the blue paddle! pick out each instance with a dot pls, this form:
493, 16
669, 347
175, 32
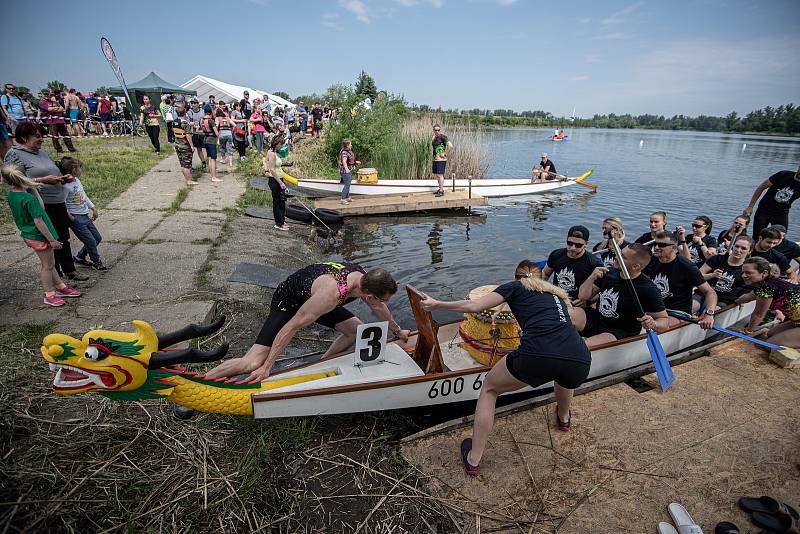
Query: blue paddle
683, 316
663, 370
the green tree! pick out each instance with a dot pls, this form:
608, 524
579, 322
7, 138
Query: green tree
56, 86
337, 95
102, 90
365, 85
282, 94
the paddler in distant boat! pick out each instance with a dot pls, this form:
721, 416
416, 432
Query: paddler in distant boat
558, 135
545, 170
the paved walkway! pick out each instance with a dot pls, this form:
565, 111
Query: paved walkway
153, 252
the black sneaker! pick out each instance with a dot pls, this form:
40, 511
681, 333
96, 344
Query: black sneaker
98, 266
439, 194
74, 275
82, 261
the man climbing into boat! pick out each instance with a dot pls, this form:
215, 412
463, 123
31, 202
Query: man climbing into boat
440, 147
783, 188
315, 293
571, 266
616, 314
545, 170
550, 350
676, 277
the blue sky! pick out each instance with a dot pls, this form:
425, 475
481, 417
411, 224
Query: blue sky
640, 56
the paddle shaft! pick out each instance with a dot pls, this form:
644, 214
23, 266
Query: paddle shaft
626, 275
683, 316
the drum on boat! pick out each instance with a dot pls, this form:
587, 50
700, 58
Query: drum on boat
490, 334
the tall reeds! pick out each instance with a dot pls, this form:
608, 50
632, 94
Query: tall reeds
408, 154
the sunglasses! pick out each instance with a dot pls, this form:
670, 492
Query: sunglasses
663, 245
698, 225
573, 244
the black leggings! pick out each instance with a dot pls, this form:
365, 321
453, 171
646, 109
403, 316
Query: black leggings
241, 146
60, 219
153, 132
764, 218
170, 133
278, 202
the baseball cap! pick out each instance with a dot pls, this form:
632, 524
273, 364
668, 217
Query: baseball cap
579, 231
544, 155
779, 227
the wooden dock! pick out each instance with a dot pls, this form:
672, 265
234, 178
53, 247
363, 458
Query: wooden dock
408, 202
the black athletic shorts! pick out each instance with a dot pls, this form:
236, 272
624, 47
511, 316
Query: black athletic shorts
538, 370
280, 315
594, 326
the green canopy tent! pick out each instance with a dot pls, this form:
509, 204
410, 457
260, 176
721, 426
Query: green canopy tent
153, 86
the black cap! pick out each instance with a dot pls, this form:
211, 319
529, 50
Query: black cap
579, 231
779, 227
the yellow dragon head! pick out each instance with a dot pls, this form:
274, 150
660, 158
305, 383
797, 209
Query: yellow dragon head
124, 365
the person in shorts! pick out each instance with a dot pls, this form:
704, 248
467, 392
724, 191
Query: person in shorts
181, 128
440, 146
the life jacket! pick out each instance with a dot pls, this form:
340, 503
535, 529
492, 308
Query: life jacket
178, 128
208, 129
224, 123
351, 158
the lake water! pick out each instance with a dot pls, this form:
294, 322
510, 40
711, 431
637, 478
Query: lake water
638, 171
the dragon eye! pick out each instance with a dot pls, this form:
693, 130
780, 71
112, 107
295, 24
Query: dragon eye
93, 354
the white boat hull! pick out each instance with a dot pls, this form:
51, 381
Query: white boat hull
486, 187
399, 382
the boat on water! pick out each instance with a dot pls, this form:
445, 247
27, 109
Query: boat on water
434, 367
485, 187
557, 138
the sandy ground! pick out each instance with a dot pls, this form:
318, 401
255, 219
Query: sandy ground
728, 427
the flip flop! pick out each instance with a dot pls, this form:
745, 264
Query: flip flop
767, 505
783, 524
469, 469
684, 523
666, 528
726, 527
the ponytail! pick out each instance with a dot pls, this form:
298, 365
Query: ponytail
543, 286
763, 266
15, 177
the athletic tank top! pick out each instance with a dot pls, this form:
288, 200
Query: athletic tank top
296, 290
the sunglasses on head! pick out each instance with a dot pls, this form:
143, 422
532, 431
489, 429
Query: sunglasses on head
663, 245
575, 244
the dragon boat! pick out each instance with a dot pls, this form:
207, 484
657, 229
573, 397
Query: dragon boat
434, 367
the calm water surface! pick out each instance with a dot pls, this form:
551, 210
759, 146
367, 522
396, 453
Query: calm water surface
638, 171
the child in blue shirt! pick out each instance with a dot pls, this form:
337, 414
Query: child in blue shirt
82, 213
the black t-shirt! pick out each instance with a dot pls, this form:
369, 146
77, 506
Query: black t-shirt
607, 257
773, 256
696, 256
789, 249
676, 280
783, 191
246, 107
568, 273
644, 238
317, 114
730, 285
548, 163
618, 307
724, 240
544, 320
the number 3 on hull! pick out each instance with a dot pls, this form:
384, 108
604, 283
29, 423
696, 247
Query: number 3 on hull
370, 344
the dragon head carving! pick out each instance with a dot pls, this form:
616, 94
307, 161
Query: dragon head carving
124, 365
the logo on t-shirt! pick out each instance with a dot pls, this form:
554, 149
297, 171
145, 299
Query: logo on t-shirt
609, 300
662, 283
566, 279
694, 254
725, 283
784, 195
608, 262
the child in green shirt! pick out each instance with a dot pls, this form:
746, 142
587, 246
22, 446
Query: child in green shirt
37, 231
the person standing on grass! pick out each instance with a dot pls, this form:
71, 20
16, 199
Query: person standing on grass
53, 114
40, 168
246, 109
550, 350
225, 127
272, 168
151, 122
183, 144
239, 130
73, 105
195, 116
316, 114
346, 162
257, 129
104, 108
82, 214
168, 114
783, 188
13, 107
37, 231
440, 147
210, 135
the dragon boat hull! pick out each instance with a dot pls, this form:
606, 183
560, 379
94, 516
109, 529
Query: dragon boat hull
400, 383
486, 187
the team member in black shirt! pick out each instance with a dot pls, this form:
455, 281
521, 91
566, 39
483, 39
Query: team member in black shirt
768, 239
571, 266
546, 170
699, 245
550, 350
789, 249
738, 227
724, 271
611, 225
616, 315
658, 223
676, 277
783, 188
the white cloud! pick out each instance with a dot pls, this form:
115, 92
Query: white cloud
623, 15
332, 21
358, 8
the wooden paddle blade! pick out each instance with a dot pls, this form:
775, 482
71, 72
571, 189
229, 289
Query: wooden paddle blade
585, 184
663, 370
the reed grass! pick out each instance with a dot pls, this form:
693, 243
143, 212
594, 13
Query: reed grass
408, 154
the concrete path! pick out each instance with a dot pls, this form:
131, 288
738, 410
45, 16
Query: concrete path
154, 253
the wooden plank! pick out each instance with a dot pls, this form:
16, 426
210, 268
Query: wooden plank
407, 202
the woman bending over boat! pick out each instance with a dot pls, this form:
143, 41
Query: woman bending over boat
777, 294
550, 350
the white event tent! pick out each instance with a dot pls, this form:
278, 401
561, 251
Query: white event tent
206, 86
